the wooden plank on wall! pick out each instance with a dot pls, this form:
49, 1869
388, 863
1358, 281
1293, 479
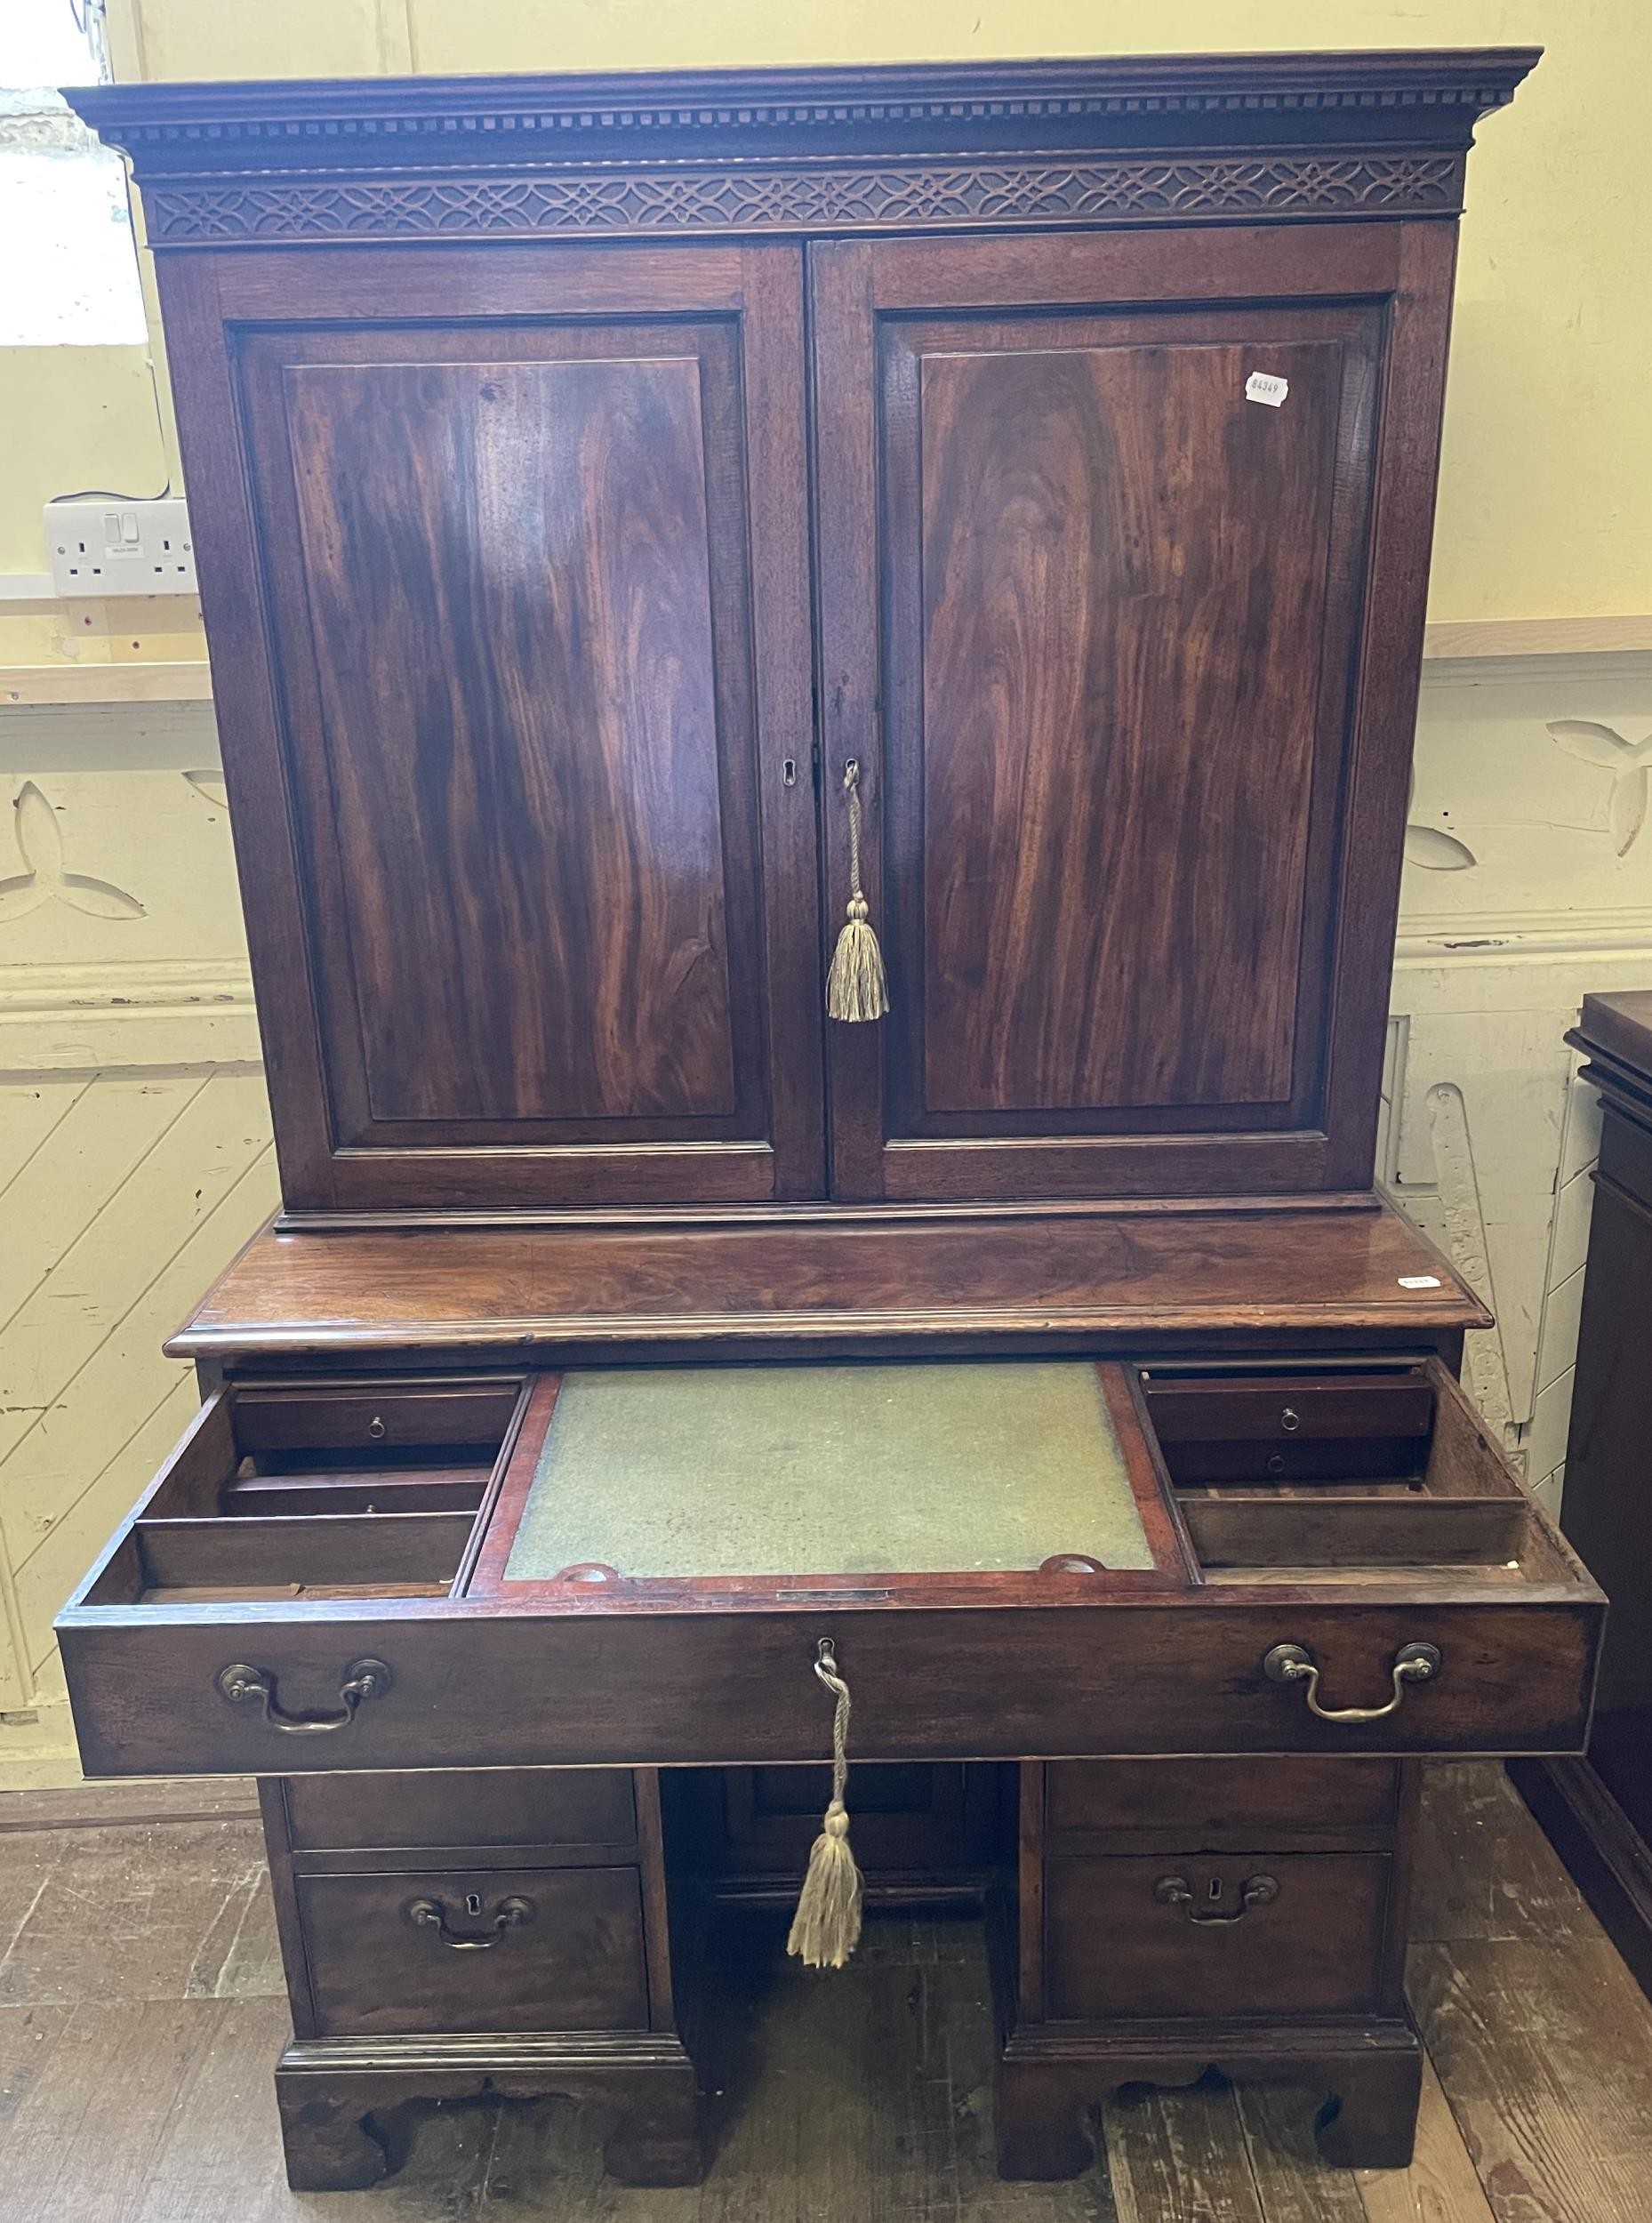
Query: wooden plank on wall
96, 1466
195, 1147
106, 1132
1538, 636
29, 1110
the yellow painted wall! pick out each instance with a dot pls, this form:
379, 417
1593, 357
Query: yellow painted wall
1547, 484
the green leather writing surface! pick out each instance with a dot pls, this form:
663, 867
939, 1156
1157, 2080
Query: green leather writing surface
820, 1470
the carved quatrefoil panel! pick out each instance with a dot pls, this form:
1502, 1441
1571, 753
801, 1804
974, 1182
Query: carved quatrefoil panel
1629, 764
44, 878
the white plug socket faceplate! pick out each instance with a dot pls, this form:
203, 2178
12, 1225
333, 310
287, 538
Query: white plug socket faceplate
104, 546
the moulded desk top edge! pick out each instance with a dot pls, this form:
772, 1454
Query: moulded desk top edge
498, 1287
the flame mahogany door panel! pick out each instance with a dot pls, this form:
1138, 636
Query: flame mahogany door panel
529, 859
1128, 660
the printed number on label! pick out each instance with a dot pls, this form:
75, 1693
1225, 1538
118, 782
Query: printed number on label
1265, 386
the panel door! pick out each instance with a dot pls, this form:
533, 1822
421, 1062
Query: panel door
1125, 649
514, 736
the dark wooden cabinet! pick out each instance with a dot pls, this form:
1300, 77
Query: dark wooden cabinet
641, 520
1598, 1808
507, 556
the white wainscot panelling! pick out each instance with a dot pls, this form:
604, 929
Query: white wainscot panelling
134, 1143
1527, 886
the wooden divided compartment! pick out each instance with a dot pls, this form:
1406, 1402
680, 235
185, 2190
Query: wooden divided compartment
1328, 1476
313, 1491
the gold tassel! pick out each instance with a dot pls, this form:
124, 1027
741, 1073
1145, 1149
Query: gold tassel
856, 987
826, 1926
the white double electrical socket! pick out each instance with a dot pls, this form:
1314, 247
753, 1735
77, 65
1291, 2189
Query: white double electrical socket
103, 545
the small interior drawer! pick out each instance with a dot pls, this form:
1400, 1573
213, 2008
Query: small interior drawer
364, 1422
437, 1810
1226, 1427
1239, 1933
475, 1950
319, 1490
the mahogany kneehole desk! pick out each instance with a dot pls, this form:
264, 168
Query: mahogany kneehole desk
645, 524
343, 1566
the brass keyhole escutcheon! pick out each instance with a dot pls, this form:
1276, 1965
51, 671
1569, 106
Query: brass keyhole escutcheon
510, 1914
1255, 1891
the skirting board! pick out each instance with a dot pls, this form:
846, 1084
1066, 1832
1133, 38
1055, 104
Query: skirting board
1609, 1859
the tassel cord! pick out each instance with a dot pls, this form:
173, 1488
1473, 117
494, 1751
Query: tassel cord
856, 987
857, 894
839, 1731
826, 1926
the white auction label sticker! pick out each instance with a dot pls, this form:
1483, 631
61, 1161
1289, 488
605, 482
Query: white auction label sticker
1419, 1280
1266, 387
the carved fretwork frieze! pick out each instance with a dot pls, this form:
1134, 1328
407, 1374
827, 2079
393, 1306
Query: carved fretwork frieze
801, 198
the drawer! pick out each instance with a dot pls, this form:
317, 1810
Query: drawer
1205, 1798
1123, 1610
1349, 1424
475, 1950
431, 1809
1187, 1407
365, 1419
1244, 1934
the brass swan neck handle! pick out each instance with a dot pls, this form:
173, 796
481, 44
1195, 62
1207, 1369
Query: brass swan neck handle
243, 1685
1294, 1662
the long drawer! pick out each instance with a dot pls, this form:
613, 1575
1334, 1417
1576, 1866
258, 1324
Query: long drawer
1428, 1607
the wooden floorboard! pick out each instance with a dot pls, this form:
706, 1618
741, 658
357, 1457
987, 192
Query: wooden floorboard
1182, 2153
1293, 2184
176, 1910
141, 2011
127, 1805
84, 2139
1484, 1868
1440, 2186
1545, 2054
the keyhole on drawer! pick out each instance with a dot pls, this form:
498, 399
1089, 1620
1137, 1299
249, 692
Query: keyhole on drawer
375, 1427
473, 1902
789, 771
1215, 1892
